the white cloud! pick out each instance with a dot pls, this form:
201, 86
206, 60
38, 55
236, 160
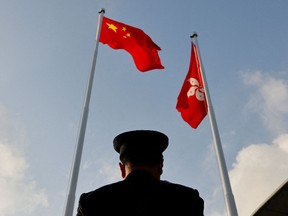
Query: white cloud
270, 100
19, 193
110, 172
259, 170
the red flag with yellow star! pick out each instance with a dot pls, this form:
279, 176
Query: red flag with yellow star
191, 101
121, 36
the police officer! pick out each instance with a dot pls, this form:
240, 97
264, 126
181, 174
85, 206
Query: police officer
141, 192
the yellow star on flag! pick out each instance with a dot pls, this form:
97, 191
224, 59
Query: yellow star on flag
111, 26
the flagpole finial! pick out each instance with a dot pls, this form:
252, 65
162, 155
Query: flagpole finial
102, 10
194, 34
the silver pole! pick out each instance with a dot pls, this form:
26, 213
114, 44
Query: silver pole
229, 198
81, 133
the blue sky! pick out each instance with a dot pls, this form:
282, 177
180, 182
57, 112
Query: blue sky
46, 54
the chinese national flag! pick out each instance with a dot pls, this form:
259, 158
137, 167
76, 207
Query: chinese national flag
191, 101
121, 36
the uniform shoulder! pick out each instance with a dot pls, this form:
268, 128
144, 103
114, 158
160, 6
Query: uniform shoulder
180, 188
186, 196
105, 189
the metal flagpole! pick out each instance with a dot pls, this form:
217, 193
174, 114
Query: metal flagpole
81, 133
229, 198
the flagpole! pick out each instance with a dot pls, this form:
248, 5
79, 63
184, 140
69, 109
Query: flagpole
229, 198
81, 133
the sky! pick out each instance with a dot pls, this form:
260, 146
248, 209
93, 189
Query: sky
45, 59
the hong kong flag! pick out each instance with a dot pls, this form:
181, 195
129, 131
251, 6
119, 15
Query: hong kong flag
191, 101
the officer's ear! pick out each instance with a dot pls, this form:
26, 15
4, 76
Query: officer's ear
160, 167
122, 169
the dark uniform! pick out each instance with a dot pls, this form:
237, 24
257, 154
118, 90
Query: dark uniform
141, 194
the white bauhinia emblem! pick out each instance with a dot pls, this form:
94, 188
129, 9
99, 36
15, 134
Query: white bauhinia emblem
195, 89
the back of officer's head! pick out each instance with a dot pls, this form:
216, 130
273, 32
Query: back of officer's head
141, 147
